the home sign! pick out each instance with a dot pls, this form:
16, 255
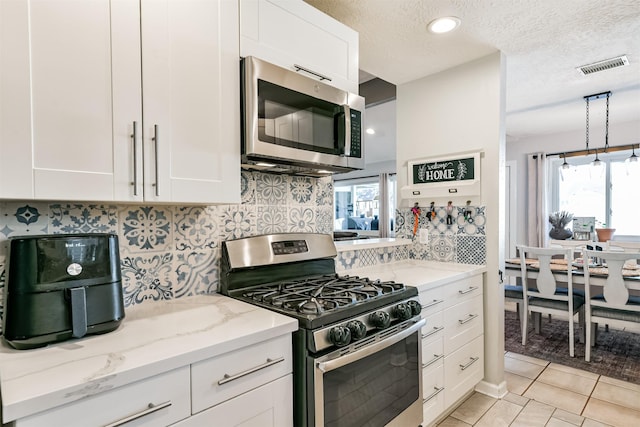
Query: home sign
448, 170
443, 179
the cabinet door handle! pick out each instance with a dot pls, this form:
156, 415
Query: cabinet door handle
432, 303
150, 410
306, 70
435, 329
270, 362
469, 318
466, 291
436, 357
134, 137
471, 362
434, 394
155, 139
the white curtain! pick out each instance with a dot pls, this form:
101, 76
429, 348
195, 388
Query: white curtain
383, 219
536, 199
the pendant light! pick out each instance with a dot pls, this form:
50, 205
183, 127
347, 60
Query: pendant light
565, 165
597, 162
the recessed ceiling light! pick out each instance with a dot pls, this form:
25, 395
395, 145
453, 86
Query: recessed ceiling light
370, 131
444, 24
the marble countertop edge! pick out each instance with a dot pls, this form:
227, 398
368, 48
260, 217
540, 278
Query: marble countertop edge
359, 244
173, 336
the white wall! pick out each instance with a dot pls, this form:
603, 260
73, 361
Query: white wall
517, 150
460, 110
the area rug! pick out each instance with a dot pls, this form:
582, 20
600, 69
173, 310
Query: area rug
616, 353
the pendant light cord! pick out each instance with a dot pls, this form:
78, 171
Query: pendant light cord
587, 99
606, 134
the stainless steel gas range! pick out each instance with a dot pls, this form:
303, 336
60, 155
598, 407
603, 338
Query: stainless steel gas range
357, 351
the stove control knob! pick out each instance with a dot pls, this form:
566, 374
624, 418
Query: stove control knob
380, 319
402, 311
416, 308
358, 329
340, 336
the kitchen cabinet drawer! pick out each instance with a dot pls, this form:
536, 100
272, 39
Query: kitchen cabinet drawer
157, 401
461, 290
462, 323
463, 369
432, 352
434, 328
267, 406
223, 377
432, 301
432, 393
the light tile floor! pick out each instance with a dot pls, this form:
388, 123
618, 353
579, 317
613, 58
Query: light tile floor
550, 395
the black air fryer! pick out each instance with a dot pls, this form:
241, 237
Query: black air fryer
61, 286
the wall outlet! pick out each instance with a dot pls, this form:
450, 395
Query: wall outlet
424, 236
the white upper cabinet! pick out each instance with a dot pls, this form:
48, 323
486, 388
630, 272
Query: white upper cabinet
191, 101
292, 33
72, 85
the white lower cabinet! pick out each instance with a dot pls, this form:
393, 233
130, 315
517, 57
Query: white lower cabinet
452, 344
266, 406
250, 386
157, 401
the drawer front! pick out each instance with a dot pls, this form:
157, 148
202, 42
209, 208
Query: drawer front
462, 290
463, 370
270, 405
432, 352
231, 374
462, 323
432, 301
434, 327
168, 393
432, 392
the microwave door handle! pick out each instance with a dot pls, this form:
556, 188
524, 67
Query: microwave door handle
347, 130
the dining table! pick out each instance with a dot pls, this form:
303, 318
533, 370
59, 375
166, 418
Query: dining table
598, 273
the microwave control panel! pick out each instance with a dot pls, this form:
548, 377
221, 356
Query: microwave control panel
356, 134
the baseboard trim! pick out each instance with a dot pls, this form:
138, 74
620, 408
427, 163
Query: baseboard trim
497, 391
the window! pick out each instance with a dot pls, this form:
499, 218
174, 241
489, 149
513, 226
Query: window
358, 204
607, 193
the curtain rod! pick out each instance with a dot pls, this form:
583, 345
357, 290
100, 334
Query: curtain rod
609, 149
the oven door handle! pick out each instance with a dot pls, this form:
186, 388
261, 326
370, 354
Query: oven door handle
330, 365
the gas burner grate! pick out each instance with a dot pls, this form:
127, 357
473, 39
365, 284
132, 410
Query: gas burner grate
319, 294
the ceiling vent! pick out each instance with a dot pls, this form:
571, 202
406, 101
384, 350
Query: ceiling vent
618, 61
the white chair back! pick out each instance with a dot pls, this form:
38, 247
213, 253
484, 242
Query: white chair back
608, 299
546, 283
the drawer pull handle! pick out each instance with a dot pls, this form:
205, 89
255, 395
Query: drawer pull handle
466, 291
150, 410
468, 319
431, 304
306, 70
436, 357
434, 394
435, 330
270, 362
471, 362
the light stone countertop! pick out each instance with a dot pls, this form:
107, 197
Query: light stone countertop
150, 341
421, 274
358, 244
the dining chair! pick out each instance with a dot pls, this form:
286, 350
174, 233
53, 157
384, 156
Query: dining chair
615, 245
549, 296
607, 298
577, 245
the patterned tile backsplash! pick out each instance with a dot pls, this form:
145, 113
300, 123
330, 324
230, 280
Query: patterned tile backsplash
174, 251
462, 241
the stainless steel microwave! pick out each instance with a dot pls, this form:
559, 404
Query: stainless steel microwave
295, 124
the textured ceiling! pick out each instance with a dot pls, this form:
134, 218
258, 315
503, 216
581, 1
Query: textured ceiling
543, 41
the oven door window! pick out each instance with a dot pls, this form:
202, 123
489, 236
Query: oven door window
373, 390
293, 119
